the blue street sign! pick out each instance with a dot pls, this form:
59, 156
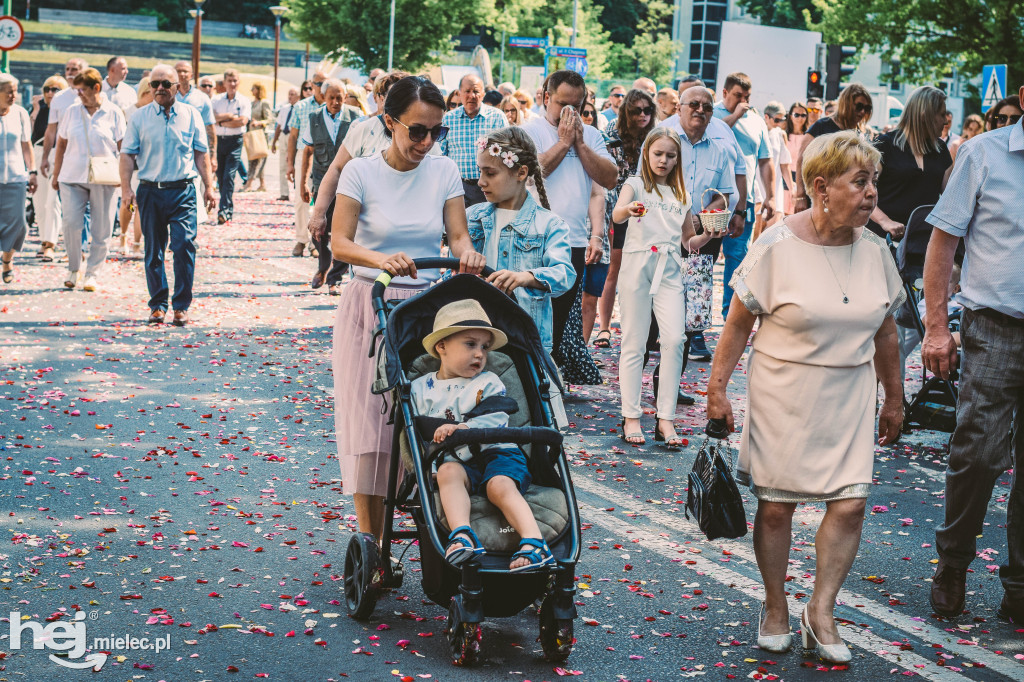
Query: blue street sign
577, 64
523, 41
556, 51
993, 85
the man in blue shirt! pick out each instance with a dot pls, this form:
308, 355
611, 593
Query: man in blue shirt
167, 140
752, 136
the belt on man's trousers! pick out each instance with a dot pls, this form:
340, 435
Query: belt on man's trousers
471, 181
172, 184
999, 318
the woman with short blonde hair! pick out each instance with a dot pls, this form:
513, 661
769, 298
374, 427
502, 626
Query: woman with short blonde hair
355, 96
823, 290
525, 102
262, 116
510, 107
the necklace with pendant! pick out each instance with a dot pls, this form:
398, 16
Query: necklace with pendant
846, 299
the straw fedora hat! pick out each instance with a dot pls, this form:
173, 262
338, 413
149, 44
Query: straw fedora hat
458, 316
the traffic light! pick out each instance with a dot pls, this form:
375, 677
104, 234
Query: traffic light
815, 88
837, 70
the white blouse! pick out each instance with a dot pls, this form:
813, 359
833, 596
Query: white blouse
106, 128
15, 128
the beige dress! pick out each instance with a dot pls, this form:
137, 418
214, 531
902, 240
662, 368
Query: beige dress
810, 424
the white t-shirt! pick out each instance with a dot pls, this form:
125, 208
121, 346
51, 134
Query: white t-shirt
123, 95
662, 225
60, 103
780, 155
401, 210
502, 217
15, 128
106, 128
239, 106
568, 186
452, 399
366, 138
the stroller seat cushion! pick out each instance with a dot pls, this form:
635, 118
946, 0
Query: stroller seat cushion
497, 535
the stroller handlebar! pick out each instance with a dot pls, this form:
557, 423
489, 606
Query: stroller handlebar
384, 279
526, 434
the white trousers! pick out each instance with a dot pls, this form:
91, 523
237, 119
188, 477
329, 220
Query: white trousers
282, 168
47, 203
101, 199
636, 280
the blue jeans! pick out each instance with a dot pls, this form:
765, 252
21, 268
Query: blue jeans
173, 212
229, 158
735, 249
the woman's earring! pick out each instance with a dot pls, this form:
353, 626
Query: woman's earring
825, 202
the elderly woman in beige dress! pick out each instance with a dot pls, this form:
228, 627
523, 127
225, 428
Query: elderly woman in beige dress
823, 289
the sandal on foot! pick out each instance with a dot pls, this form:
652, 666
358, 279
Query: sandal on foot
673, 442
539, 555
626, 436
8, 274
463, 545
604, 339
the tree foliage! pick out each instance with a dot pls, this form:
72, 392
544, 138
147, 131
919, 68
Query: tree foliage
782, 13
930, 37
355, 32
653, 48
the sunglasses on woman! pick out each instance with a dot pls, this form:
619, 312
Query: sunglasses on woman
795, 115
48, 89
587, 113
860, 107
1004, 119
646, 111
418, 132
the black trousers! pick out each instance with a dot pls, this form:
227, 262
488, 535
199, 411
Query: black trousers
562, 305
326, 263
474, 195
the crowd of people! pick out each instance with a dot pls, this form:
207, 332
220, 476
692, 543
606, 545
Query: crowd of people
578, 206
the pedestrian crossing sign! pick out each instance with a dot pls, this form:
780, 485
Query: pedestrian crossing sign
993, 85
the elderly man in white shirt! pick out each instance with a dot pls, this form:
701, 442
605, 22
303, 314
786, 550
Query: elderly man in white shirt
231, 113
282, 127
58, 105
116, 89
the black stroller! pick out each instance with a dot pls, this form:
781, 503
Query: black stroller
482, 587
934, 405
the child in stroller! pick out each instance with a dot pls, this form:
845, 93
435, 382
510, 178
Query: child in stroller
461, 395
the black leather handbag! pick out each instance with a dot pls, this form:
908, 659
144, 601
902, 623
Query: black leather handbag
713, 498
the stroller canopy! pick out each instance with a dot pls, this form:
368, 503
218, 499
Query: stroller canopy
413, 319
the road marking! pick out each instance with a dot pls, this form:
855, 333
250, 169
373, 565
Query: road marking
940, 477
870, 642
919, 630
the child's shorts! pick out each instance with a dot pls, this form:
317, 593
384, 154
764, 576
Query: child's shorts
509, 462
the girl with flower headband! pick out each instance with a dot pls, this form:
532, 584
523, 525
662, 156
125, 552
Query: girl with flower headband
651, 277
525, 243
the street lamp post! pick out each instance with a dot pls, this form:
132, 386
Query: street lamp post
277, 11
197, 29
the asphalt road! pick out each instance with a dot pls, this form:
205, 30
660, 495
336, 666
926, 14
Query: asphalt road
183, 483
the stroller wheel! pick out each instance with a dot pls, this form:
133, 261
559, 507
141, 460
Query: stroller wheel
363, 575
556, 635
463, 638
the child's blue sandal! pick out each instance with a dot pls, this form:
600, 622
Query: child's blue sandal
466, 549
539, 555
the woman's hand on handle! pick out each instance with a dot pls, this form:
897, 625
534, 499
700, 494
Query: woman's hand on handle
719, 407
399, 265
890, 421
471, 262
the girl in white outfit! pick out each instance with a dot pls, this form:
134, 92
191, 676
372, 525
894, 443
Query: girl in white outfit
660, 223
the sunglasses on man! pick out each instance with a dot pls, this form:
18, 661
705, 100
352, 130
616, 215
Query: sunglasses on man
706, 106
206, 86
418, 132
1004, 119
779, 119
617, 95
814, 110
165, 84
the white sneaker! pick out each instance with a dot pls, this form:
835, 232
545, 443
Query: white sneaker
90, 283
71, 281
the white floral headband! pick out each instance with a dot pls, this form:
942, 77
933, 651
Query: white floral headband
508, 157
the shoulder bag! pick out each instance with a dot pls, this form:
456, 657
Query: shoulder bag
103, 170
713, 498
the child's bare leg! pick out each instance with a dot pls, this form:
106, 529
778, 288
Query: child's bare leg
504, 493
453, 486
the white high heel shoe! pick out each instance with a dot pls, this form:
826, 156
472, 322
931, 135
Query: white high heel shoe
830, 653
777, 644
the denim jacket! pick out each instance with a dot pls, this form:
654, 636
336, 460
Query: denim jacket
537, 241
